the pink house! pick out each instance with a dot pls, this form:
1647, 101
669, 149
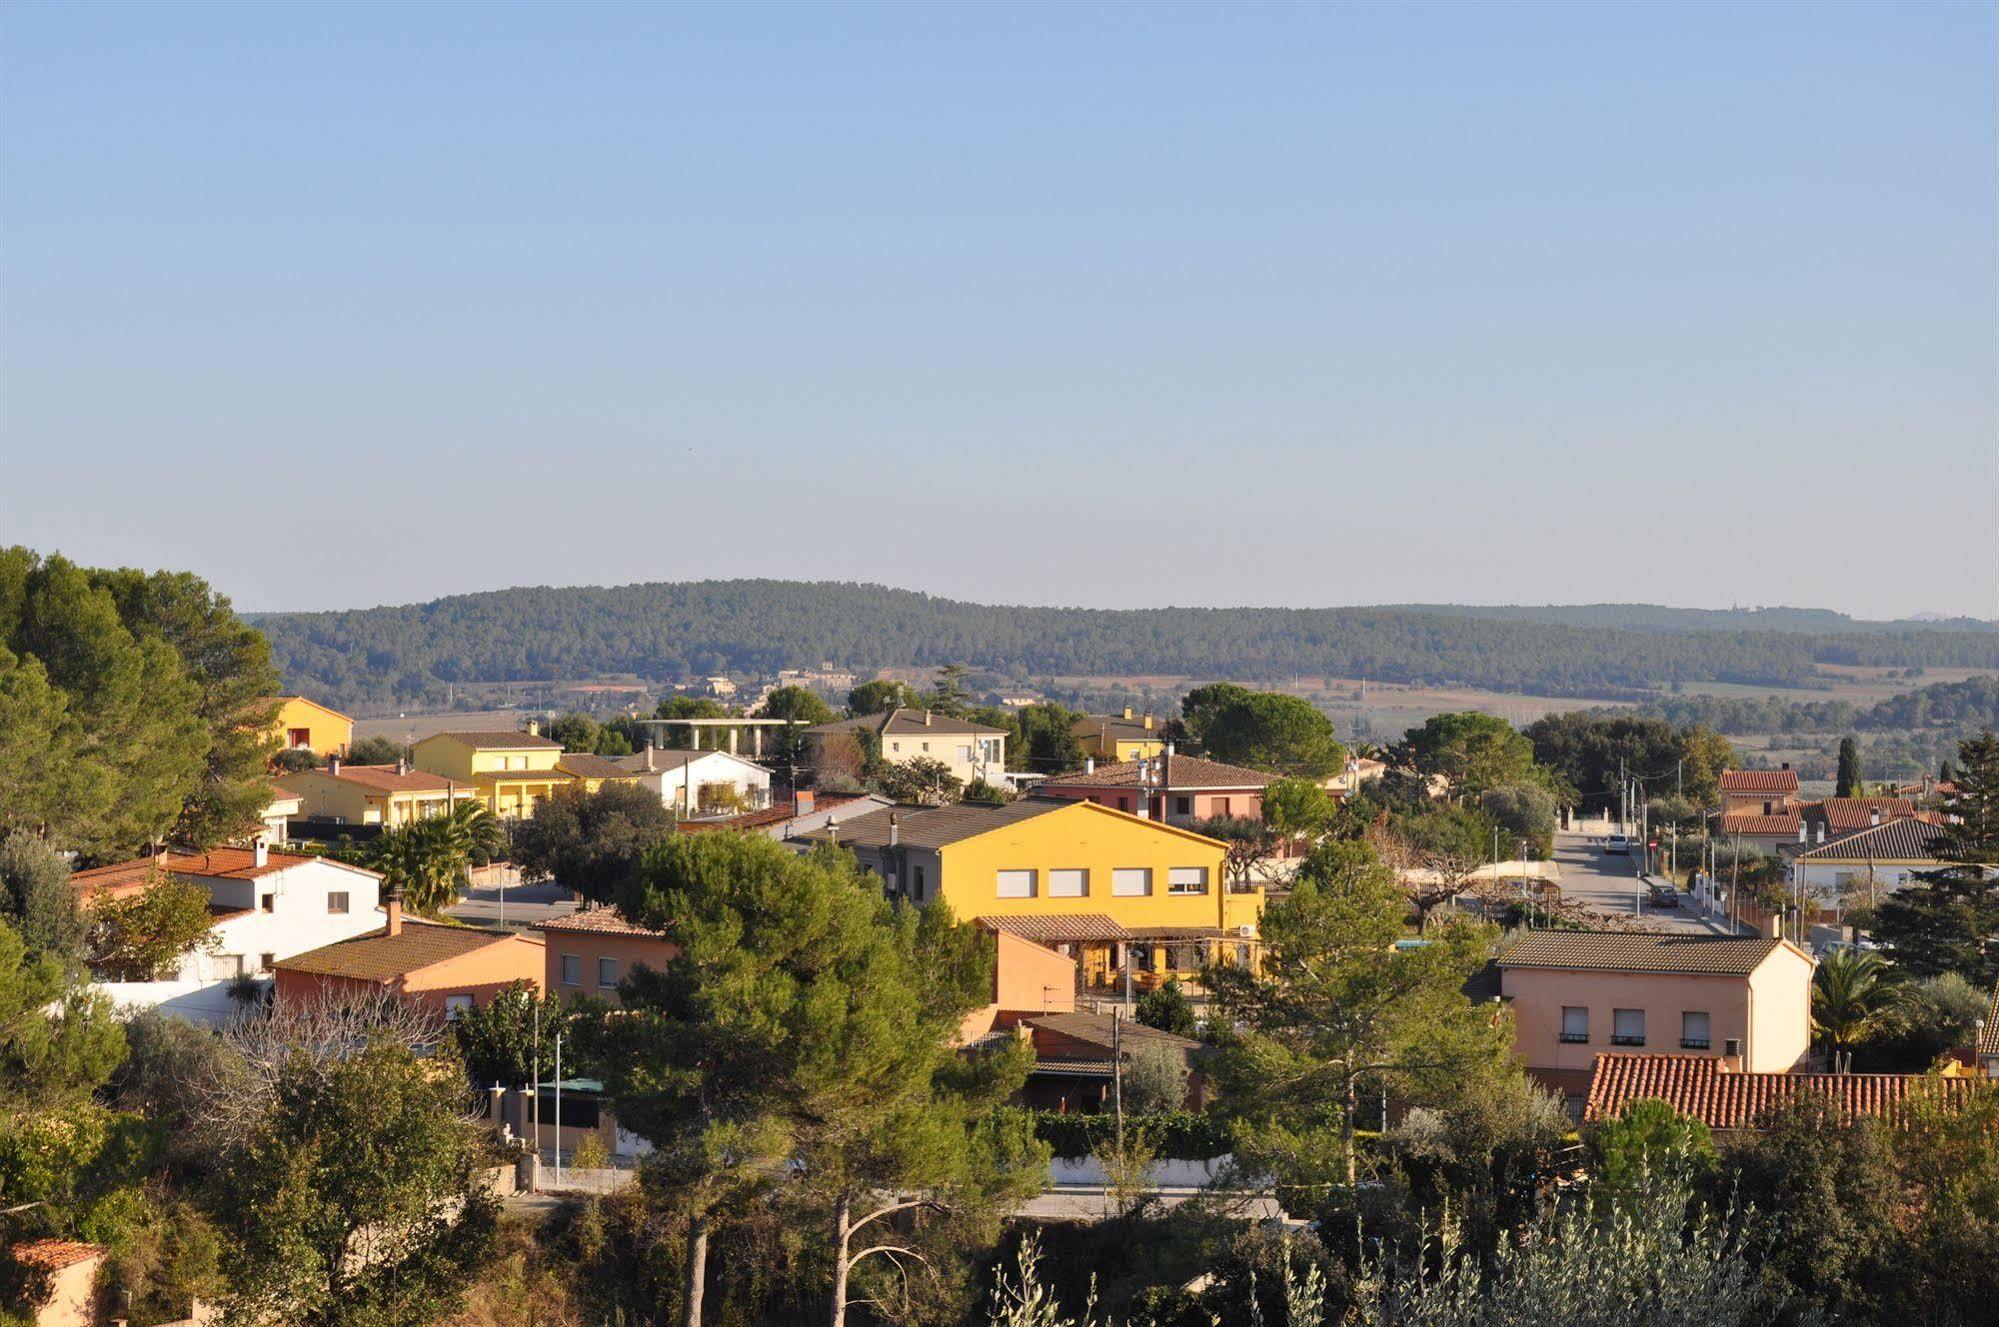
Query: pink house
1174, 788
1576, 995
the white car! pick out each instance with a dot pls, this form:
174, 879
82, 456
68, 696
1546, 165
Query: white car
1618, 843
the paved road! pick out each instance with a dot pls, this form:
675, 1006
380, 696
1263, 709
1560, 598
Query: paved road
525, 904
1610, 884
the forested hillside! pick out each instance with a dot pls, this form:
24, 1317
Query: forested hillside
406, 654
1658, 617
1962, 707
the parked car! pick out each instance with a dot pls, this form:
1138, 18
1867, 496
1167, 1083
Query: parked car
1665, 896
1618, 843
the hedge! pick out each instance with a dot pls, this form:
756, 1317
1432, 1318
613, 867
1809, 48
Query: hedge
1183, 1136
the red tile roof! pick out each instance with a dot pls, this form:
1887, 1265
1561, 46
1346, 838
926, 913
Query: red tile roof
1904, 840
1630, 951
1700, 1086
1759, 781
123, 878
384, 778
1787, 824
496, 739
381, 957
1178, 774
53, 1255
1058, 929
1845, 814
600, 921
775, 814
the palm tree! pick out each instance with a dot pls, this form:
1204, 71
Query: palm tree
432, 859
1849, 1001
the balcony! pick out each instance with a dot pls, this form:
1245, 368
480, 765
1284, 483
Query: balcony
1576, 1038
1693, 1043
1638, 1040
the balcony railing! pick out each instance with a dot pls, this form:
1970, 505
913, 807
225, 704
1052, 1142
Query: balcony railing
1576, 1038
1693, 1043
1620, 1040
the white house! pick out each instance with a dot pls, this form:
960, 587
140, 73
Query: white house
267, 906
701, 783
1865, 864
972, 752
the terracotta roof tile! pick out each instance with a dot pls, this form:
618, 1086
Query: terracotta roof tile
382, 778
1143, 728
1759, 781
1700, 1086
589, 765
907, 723
1988, 1036
771, 815
1844, 814
1787, 824
938, 826
52, 1255
1096, 1030
1058, 928
599, 921
1179, 773
124, 878
381, 957
1621, 951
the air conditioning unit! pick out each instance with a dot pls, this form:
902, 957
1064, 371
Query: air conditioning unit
1246, 932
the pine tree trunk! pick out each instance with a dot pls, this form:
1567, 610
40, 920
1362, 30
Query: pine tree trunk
697, 1269
843, 1235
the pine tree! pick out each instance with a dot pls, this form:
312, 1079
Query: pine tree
1948, 920
1850, 784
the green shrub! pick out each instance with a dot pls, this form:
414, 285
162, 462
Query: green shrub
1182, 1135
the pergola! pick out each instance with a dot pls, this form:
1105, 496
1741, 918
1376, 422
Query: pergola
756, 727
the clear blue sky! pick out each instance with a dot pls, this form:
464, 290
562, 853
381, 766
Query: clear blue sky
358, 304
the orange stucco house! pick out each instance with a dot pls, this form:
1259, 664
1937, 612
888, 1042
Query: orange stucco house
590, 952
66, 1271
1576, 995
445, 968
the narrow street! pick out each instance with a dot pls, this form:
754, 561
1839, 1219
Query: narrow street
1609, 883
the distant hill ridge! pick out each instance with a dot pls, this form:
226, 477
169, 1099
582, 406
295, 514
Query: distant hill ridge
1658, 617
669, 630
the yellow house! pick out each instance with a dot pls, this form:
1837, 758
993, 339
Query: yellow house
512, 770
1111, 738
591, 772
306, 725
1093, 884
386, 795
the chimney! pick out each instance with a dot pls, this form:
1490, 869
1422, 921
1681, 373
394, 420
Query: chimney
1773, 927
1127, 711
1169, 750
1785, 765
1801, 831
926, 718
534, 727
650, 749
1821, 831
1089, 764
1148, 723
261, 853
402, 765
332, 763
392, 906
894, 828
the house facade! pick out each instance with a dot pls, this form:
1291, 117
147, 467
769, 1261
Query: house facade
385, 795
1175, 789
446, 969
1575, 995
1861, 867
591, 951
267, 907
972, 752
1763, 791
513, 771
1113, 891
307, 725
700, 784
1112, 739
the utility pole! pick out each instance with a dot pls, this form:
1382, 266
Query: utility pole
1117, 1078
558, 1108
534, 1098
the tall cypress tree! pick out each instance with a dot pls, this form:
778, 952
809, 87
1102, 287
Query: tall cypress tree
1947, 920
1849, 768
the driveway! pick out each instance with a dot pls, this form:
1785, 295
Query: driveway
523, 905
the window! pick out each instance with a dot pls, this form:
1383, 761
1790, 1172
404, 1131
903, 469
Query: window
1222, 806
268, 902
1693, 1030
1016, 884
572, 969
1575, 1024
607, 973
1068, 882
1183, 806
965, 753
1187, 880
336, 903
895, 747
1131, 881
926, 746
298, 739
266, 961
989, 750
921, 884
455, 1005
1627, 1027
